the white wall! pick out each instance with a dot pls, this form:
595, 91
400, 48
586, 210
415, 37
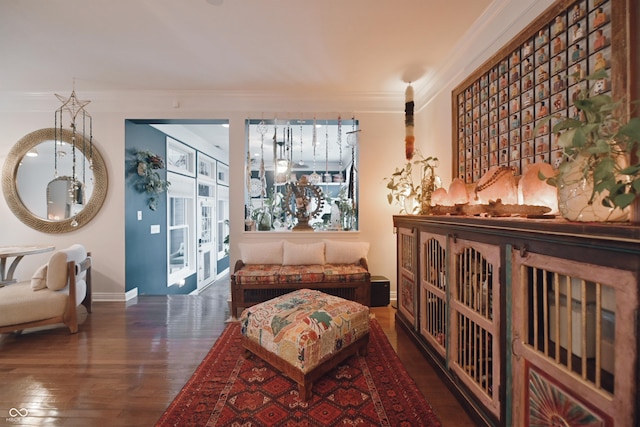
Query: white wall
382, 146
104, 236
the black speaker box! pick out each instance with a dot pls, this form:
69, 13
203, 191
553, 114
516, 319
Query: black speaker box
380, 290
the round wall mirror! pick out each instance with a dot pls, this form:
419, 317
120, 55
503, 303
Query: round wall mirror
38, 183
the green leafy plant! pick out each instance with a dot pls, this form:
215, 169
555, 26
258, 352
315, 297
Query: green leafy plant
407, 182
609, 140
346, 207
146, 165
269, 212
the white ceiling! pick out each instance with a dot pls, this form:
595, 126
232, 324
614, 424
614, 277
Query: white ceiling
345, 47
319, 46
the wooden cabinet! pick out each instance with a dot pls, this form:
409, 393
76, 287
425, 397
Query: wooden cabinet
533, 322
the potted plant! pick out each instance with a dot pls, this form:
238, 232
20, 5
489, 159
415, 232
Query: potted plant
269, 212
599, 177
411, 185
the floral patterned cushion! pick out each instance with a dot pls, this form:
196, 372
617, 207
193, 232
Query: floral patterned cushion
300, 274
270, 274
305, 327
344, 273
266, 274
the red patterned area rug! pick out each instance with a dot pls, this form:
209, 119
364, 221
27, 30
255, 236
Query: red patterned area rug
228, 389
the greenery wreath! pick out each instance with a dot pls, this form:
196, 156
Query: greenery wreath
146, 166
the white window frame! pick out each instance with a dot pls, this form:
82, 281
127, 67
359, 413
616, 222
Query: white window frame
182, 187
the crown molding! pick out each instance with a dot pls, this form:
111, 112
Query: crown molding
132, 101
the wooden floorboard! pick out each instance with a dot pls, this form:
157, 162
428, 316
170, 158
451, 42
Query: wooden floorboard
129, 360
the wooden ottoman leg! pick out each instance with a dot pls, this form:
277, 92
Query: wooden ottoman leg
305, 391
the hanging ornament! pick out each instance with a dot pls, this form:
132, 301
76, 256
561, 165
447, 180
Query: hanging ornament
327, 175
301, 161
409, 138
262, 130
351, 141
314, 178
340, 165
75, 109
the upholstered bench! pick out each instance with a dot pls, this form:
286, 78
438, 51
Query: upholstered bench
270, 269
305, 334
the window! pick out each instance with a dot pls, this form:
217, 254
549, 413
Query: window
222, 220
180, 158
181, 227
286, 159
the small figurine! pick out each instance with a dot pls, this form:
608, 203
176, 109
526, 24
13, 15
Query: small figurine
578, 32
515, 74
542, 111
576, 93
542, 74
527, 132
577, 53
600, 86
515, 105
578, 73
515, 90
599, 18
600, 40
503, 81
558, 26
515, 59
557, 45
558, 64
577, 13
542, 92
558, 102
558, 84
542, 55
503, 96
600, 63
515, 121
542, 38
528, 83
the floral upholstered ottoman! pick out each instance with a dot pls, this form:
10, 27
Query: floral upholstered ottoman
305, 334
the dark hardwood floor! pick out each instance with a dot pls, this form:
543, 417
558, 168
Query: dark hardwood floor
128, 361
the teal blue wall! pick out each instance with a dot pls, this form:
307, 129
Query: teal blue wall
146, 253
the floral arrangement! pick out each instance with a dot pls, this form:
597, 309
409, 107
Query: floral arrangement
146, 166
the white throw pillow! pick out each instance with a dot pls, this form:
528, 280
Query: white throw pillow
261, 253
344, 252
303, 253
39, 279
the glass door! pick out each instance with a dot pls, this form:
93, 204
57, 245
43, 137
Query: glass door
206, 244
207, 258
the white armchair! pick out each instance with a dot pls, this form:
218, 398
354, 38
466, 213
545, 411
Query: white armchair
52, 295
